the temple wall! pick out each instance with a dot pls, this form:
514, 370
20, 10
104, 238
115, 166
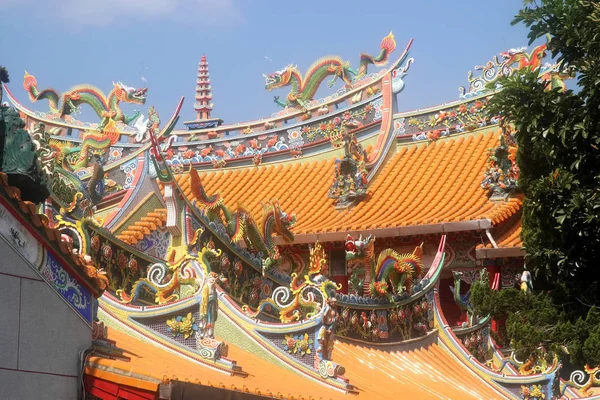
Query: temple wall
40, 335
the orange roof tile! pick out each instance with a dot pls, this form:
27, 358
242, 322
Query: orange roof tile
512, 236
508, 241
146, 225
376, 373
155, 363
509, 238
417, 374
421, 184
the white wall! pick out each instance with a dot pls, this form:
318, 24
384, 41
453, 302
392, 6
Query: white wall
40, 335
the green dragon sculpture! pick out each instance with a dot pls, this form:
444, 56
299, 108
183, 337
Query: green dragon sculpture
164, 281
305, 87
94, 143
106, 107
241, 225
463, 300
65, 186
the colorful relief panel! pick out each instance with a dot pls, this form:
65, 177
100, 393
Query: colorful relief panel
155, 244
122, 267
78, 296
329, 128
455, 119
477, 343
395, 324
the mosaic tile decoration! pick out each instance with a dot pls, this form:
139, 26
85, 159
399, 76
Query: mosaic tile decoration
159, 325
78, 296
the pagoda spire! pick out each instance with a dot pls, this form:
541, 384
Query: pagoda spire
203, 104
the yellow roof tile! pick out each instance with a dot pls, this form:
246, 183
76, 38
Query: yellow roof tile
406, 372
421, 184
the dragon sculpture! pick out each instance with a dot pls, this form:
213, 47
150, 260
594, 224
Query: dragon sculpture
106, 107
392, 273
515, 60
164, 281
305, 87
577, 380
66, 187
533, 365
462, 300
306, 297
240, 224
95, 143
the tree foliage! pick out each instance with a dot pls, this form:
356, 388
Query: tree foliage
4, 75
536, 327
558, 135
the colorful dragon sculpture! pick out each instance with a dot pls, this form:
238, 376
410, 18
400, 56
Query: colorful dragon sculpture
533, 365
462, 300
164, 281
241, 225
66, 187
306, 297
514, 60
106, 107
95, 143
392, 273
305, 87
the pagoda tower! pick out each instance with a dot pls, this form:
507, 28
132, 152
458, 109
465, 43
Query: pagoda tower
203, 105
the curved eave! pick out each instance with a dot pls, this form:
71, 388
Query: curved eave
425, 229
504, 252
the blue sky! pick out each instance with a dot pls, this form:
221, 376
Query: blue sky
69, 42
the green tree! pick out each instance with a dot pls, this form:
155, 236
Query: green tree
559, 159
3, 79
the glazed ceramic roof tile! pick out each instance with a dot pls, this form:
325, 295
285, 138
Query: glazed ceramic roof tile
376, 373
151, 364
422, 184
146, 225
512, 236
509, 238
418, 374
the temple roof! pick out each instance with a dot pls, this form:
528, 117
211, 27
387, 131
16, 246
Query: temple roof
511, 237
423, 188
427, 372
509, 243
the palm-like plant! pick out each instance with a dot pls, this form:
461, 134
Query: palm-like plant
3, 79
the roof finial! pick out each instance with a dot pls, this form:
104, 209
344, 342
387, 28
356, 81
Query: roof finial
203, 105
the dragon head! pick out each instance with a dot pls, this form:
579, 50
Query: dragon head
128, 94
513, 52
278, 78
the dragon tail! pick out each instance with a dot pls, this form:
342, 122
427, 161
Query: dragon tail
236, 227
210, 202
261, 307
135, 291
30, 85
388, 44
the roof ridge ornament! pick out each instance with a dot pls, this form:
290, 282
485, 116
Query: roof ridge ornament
350, 173
304, 87
510, 61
